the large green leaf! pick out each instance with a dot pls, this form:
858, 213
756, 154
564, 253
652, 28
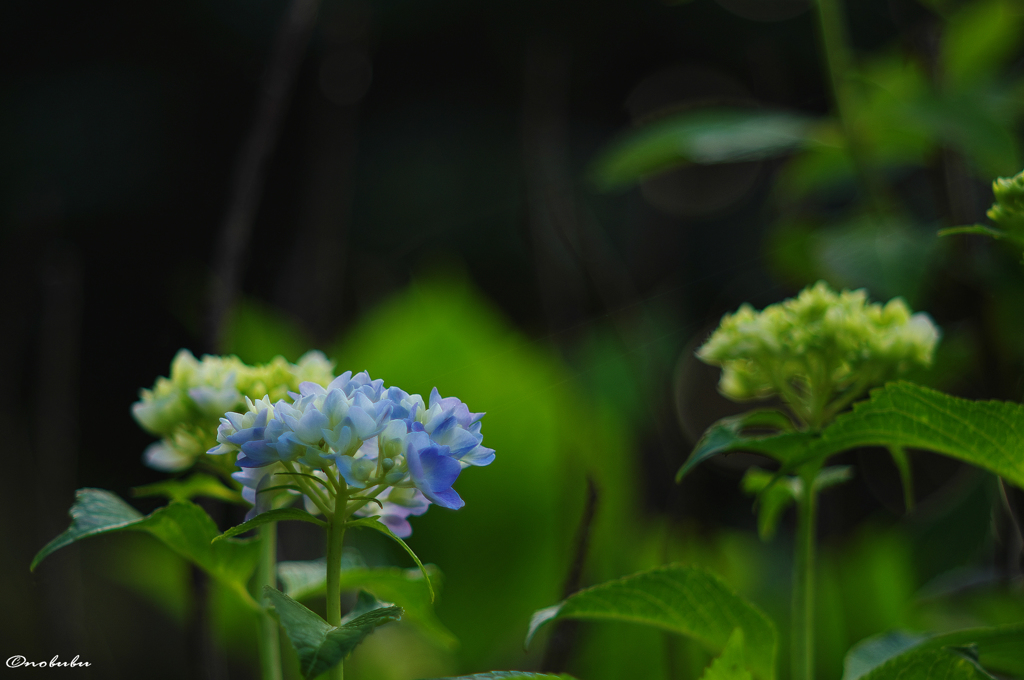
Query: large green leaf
183, 526
405, 587
988, 434
277, 515
705, 136
318, 644
768, 432
198, 484
680, 599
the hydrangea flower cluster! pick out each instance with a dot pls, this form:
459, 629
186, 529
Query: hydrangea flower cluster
818, 351
384, 451
1008, 210
184, 409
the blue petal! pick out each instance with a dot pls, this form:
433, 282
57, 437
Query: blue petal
479, 456
310, 426
344, 464
258, 453
447, 499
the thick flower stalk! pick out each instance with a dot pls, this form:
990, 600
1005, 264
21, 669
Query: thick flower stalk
184, 409
379, 451
819, 351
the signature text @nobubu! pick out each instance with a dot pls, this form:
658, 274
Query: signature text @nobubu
18, 661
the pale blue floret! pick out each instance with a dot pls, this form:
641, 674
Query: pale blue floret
450, 422
433, 470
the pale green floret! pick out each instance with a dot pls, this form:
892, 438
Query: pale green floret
1008, 210
818, 351
185, 408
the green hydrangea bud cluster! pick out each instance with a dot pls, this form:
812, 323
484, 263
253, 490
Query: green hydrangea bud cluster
1008, 210
184, 410
818, 351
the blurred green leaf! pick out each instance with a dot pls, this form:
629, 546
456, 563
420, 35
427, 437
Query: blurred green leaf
257, 333
875, 651
372, 523
405, 587
680, 599
896, 653
775, 494
183, 526
196, 485
707, 136
974, 229
729, 665
888, 257
929, 664
510, 675
276, 515
734, 434
1000, 648
977, 39
773, 499
319, 645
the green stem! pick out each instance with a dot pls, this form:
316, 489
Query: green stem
839, 60
802, 666
269, 640
335, 538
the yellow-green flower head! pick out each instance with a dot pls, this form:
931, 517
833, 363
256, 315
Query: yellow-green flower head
818, 351
185, 408
1008, 210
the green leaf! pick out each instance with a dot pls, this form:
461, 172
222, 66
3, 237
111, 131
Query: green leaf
198, 484
997, 648
95, 511
182, 526
774, 496
988, 434
729, 665
733, 434
405, 587
372, 523
318, 644
679, 599
775, 493
874, 651
929, 664
278, 515
706, 136
510, 675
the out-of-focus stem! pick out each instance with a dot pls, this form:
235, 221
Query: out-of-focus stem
335, 538
269, 639
838, 57
802, 665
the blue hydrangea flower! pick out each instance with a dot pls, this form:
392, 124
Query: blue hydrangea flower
396, 453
